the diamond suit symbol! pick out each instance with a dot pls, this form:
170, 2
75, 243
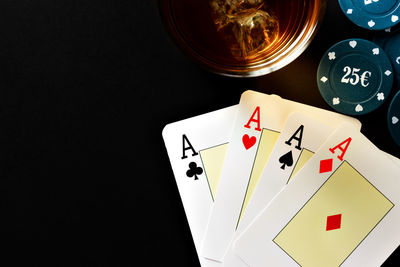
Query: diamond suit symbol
325, 165
333, 222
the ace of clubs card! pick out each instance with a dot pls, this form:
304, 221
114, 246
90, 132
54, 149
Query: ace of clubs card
341, 209
196, 148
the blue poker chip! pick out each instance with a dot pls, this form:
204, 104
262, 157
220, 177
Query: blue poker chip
391, 44
372, 14
394, 118
355, 76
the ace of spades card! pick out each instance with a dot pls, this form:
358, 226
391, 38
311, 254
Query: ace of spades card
260, 118
297, 143
196, 148
341, 209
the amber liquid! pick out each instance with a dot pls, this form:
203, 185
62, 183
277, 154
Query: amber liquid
193, 20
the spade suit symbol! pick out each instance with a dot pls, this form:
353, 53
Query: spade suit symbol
194, 170
286, 160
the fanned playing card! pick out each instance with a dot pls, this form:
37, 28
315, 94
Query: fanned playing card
196, 148
259, 120
297, 143
341, 209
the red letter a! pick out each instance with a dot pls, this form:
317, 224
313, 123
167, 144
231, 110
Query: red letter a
257, 120
339, 146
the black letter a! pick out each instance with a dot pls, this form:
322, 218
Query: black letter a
298, 139
188, 147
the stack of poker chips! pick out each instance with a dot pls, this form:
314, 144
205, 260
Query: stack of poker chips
357, 76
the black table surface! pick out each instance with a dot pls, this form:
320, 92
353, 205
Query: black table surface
86, 88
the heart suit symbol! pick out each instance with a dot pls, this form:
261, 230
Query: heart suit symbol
248, 141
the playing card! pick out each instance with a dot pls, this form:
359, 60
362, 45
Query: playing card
259, 120
393, 158
196, 148
297, 143
341, 209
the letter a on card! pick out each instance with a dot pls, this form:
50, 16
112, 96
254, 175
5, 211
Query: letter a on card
340, 147
326, 165
252, 119
250, 141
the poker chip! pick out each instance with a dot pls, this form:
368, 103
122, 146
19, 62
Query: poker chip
391, 43
394, 118
372, 14
355, 76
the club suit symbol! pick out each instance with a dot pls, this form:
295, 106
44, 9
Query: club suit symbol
194, 170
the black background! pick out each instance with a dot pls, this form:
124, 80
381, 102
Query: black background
85, 90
